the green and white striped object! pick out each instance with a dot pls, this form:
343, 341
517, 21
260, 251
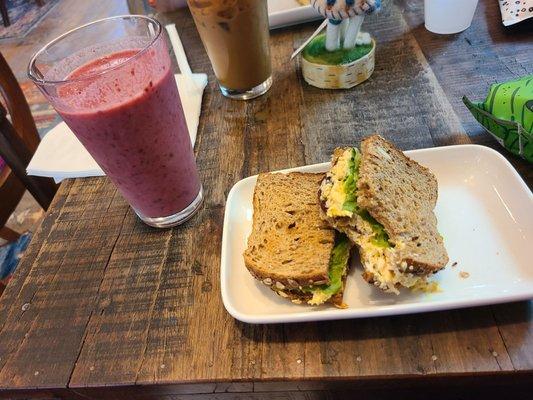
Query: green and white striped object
507, 114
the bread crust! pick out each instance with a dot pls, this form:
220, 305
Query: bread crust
303, 298
265, 260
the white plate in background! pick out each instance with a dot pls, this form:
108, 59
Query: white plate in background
485, 214
289, 12
282, 12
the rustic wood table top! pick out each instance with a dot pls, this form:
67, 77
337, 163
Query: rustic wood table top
103, 306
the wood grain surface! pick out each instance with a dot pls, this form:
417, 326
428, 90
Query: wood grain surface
103, 306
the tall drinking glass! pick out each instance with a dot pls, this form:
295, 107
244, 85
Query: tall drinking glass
235, 35
112, 82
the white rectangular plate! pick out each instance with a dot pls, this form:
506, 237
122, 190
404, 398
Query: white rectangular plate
289, 12
485, 214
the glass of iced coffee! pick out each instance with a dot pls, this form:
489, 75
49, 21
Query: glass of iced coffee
235, 36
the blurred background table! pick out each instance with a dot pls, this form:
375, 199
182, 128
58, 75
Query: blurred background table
103, 307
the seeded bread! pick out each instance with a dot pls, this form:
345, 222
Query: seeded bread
290, 245
298, 297
351, 227
401, 195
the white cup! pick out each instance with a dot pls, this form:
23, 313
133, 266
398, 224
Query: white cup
448, 16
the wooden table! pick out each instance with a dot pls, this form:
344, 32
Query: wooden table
102, 306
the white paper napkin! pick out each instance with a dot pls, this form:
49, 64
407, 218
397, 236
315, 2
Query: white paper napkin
61, 155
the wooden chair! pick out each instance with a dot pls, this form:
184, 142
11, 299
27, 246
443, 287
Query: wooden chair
18, 141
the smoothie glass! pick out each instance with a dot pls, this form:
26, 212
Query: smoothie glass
112, 82
235, 35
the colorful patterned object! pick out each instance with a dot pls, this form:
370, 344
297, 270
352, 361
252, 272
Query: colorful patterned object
345, 18
338, 61
507, 114
342, 9
514, 11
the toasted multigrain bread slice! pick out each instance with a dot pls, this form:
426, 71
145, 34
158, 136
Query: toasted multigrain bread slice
290, 245
401, 195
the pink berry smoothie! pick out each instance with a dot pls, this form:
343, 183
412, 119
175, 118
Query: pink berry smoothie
126, 110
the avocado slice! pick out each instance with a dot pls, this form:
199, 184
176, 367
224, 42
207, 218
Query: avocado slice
338, 264
380, 237
350, 182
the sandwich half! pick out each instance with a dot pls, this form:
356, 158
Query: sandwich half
383, 201
291, 248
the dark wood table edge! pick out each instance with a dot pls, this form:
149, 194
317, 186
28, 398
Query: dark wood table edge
509, 380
